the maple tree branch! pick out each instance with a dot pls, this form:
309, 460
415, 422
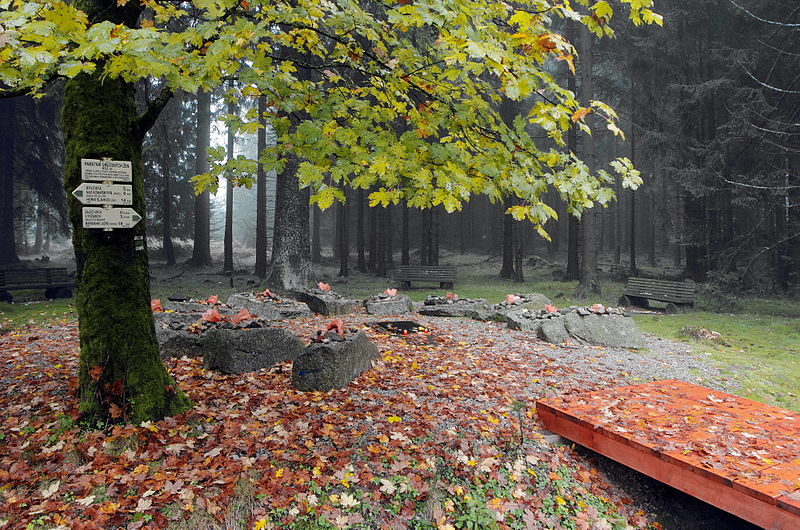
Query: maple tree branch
154, 108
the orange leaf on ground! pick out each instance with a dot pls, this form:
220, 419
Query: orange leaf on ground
390, 292
242, 315
95, 372
323, 286
155, 305
451, 296
212, 299
551, 308
212, 315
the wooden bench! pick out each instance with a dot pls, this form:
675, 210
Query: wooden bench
55, 281
444, 275
678, 295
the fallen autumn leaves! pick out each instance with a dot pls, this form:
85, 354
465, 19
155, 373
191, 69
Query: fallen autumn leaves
441, 434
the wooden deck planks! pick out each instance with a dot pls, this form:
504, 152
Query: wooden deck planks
737, 454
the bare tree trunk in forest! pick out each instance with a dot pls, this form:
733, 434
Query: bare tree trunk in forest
433, 259
121, 376
425, 237
651, 230
261, 193
291, 248
38, 238
372, 235
389, 238
316, 244
361, 265
507, 270
227, 265
618, 222
380, 242
8, 246
344, 238
587, 283
519, 250
166, 198
404, 243
201, 249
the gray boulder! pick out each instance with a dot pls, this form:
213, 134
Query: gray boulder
553, 330
612, 330
534, 301
176, 320
523, 320
326, 302
324, 366
177, 343
389, 305
265, 310
438, 307
234, 351
196, 307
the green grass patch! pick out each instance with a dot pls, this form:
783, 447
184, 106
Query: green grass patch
759, 352
39, 313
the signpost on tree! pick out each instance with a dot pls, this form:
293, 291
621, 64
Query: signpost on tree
399, 97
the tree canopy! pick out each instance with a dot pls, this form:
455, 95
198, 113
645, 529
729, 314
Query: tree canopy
400, 96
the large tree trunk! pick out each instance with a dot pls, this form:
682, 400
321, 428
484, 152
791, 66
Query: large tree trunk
227, 262
121, 374
8, 247
404, 241
291, 248
316, 244
587, 283
261, 193
201, 249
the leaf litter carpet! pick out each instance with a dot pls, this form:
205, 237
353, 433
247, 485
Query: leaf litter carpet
441, 432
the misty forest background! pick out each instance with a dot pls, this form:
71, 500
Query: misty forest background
710, 105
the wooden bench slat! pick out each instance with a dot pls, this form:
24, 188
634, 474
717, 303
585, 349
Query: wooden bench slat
441, 274
661, 290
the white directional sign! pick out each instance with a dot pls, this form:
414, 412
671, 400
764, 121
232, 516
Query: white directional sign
91, 193
109, 217
111, 170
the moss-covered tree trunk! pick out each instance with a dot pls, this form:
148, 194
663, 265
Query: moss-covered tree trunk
121, 374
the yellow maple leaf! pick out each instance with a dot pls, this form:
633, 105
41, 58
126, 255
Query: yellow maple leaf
393, 419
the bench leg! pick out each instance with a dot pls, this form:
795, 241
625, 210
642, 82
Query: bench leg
5, 296
445, 285
673, 308
627, 301
405, 285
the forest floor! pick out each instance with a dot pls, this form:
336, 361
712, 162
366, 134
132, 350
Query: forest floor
441, 434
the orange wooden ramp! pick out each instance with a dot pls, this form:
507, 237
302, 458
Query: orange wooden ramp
739, 455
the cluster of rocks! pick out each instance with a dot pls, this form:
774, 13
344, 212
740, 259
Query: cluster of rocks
516, 302
269, 306
440, 306
324, 302
233, 341
387, 304
596, 325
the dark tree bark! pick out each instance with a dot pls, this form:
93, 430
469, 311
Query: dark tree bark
344, 238
372, 235
389, 238
8, 246
166, 198
121, 376
380, 242
261, 193
316, 244
404, 243
507, 270
227, 265
519, 251
201, 249
39, 232
362, 262
425, 237
588, 283
291, 248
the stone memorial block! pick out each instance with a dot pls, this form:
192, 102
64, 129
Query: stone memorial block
326, 302
234, 351
324, 366
384, 304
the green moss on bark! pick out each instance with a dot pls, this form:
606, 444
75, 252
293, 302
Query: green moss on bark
121, 375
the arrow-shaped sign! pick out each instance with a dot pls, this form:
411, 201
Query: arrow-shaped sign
109, 217
90, 193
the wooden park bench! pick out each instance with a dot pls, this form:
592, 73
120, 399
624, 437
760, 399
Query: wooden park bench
678, 295
55, 281
444, 275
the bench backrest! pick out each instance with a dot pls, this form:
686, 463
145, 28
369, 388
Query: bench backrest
34, 278
663, 290
425, 272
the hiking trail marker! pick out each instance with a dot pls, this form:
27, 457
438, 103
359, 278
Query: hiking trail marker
107, 194
95, 193
94, 217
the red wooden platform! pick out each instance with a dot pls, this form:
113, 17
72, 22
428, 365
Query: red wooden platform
739, 455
